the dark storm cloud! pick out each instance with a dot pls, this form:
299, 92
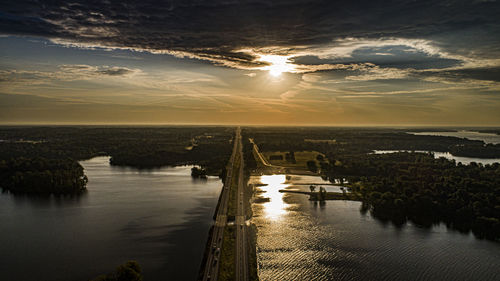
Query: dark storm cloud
389, 56
88, 70
115, 71
216, 29
486, 74
63, 73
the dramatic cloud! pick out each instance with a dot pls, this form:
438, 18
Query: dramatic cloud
218, 30
64, 73
281, 61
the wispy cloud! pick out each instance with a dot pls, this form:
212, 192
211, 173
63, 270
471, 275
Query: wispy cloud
237, 34
65, 73
355, 59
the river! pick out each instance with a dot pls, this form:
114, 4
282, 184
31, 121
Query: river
302, 240
158, 217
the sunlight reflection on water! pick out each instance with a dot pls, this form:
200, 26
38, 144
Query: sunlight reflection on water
276, 207
298, 241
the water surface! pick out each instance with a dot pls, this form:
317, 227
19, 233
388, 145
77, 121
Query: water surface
472, 135
447, 155
303, 240
158, 217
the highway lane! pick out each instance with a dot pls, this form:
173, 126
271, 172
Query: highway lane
211, 270
241, 227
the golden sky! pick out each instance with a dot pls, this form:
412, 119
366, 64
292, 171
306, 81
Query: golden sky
289, 63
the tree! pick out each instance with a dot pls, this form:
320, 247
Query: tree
198, 172
311, 165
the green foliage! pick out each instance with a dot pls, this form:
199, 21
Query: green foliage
40, 175
140, 147
417, 187
232, 207
250, 162
198, 172
363, 140
403, 186
44, 159
290, 157
311, 166
227, 256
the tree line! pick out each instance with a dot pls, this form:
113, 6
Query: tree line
403, 186
415, 186
41, 175
139, 147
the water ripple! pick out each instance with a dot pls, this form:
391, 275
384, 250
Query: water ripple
336, 242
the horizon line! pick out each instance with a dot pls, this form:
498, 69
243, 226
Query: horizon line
26, 124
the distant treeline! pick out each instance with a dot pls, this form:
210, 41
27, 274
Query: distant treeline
403, 186
491, 131
365, 140
146, 147
415, 186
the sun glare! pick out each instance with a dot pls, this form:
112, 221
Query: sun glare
276, 207
278, 64
273, 179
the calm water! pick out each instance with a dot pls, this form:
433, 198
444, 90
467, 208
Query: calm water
302, 240
486, 137
160, 218
447, 155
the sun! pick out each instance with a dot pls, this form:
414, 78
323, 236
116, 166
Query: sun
277, 64
276, 70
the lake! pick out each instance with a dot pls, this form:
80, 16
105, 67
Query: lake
472, 135
159, 217
447, 155
303, 240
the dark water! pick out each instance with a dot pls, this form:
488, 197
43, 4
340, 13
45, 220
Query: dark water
160, 218
302, 240
472, 135
447, 155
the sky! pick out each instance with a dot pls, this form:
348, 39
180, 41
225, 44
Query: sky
280, 62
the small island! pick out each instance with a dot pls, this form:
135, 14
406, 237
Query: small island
198, 173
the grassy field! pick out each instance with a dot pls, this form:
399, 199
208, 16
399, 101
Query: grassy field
227, 256
233, 191
301, 158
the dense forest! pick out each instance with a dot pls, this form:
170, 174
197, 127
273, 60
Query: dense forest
41, 175
403, 186
365, 140
417, 187
60, 149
